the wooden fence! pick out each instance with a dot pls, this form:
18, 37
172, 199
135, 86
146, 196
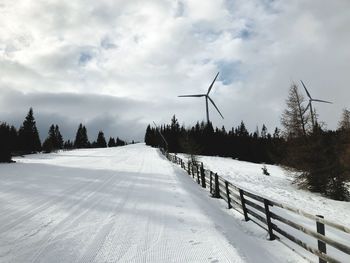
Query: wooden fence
258, 209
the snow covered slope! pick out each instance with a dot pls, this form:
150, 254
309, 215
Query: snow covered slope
125, 204
278, 186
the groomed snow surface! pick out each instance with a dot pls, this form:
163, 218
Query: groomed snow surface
124, 204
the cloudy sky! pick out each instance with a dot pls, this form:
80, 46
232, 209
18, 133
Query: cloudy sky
117, 65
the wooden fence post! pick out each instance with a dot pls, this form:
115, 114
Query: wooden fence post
192, 166
198, 179
216, 189
268, 219
188, 166
203, 176
211, 183
321, 244
245, 212
228, 195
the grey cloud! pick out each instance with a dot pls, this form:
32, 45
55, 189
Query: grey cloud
259, 47
115, 116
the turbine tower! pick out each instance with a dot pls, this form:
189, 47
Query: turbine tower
309, 105
207, 98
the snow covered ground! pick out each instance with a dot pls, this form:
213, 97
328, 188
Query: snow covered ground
124, 204
279, 187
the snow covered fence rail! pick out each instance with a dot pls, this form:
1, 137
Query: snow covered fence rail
276, 218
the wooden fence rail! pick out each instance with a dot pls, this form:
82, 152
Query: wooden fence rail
258, 210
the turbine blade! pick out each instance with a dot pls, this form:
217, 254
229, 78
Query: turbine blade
215, 106
307, 92
196, 95
211, 86
322, 101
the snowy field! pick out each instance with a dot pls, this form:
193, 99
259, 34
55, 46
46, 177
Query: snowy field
280, 188
125, 204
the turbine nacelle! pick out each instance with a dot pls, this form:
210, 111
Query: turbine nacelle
206, 98
309, 105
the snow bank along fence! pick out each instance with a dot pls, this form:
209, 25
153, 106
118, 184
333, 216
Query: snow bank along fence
259, 210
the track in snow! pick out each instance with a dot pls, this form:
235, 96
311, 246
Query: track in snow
125, 204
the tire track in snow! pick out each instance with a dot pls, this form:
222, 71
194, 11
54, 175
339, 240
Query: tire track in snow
137, 242
72, 217
24, 238
26, 216
95, 246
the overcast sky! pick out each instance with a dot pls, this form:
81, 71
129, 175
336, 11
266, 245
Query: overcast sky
118, 65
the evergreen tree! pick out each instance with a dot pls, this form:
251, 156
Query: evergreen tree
264, 132
111, 142
120, 142
59, 138
5, 143
54, 141
48, 145
148, 135
101, 141
276, 133
68, 145
28, 135
81, 138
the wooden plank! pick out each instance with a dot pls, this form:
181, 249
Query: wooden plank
234, 188
310, 216
257, 216
256, 197
222, 179
304, 245
222, 192
234, 195
312, 233
256, 206
235, 199
236, 204
224, 197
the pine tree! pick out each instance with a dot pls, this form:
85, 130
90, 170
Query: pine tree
111, 142
59, 138
276, 133
28, 135
264, 132
5, 143
148, 135
120, 142
101, 141
68, 145
81, 138
54, 141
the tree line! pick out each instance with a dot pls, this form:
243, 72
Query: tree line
238, 143
320, 157
26, 139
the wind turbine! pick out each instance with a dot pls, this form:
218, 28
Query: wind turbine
309, 105
207, 98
